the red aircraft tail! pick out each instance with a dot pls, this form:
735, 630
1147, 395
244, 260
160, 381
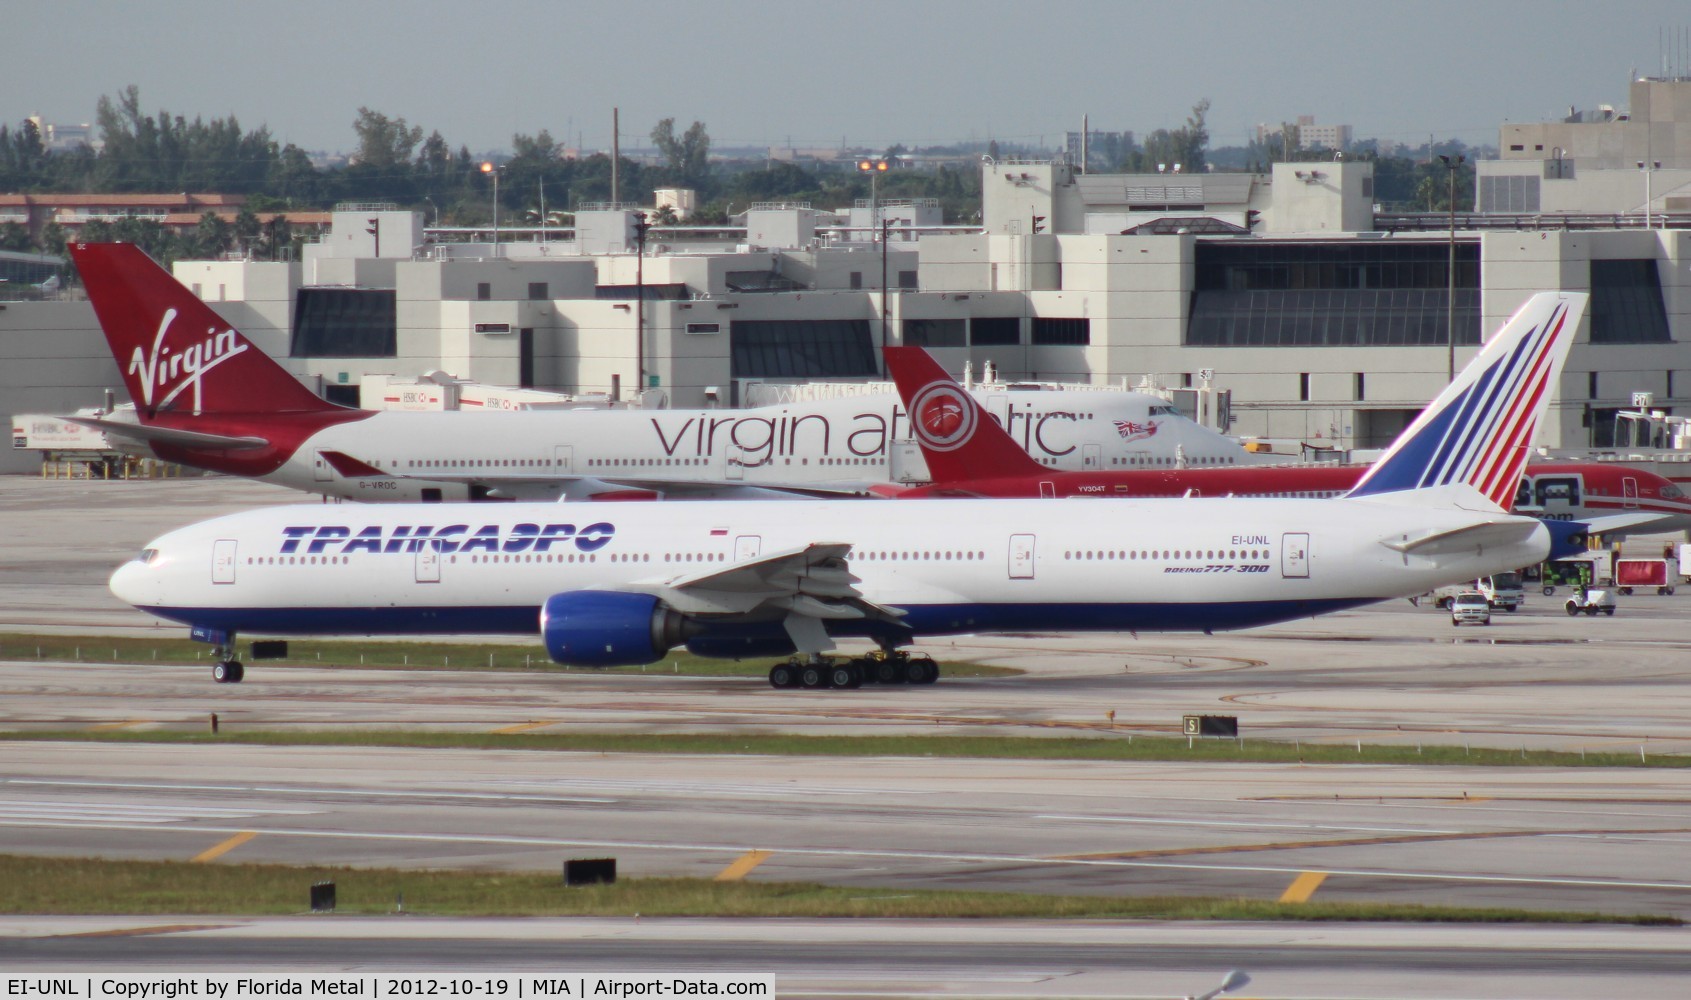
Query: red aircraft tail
959, 439
177, 356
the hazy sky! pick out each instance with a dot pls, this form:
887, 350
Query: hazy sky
870, 72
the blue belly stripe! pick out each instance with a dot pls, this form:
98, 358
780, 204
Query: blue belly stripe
923, 620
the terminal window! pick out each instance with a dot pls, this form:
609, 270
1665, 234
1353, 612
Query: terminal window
995, 331
935, 333
826, 348
1626, 303
1053, 331
1323, 294
344, 323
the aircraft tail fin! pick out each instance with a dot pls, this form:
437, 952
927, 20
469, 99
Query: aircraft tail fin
959, 439
1479, 430
177, 355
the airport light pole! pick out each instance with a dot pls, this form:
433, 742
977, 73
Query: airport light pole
875, 168
640, 227
1450, 166
1648, 167
490, 168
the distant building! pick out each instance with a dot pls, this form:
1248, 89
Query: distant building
1306, 134
1634, 162
174, 211
57, 138
1656, 128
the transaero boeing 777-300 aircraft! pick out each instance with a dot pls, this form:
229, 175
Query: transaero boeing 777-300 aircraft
603, 585
206, 397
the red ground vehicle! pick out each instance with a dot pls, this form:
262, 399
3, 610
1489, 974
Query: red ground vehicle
1661, 574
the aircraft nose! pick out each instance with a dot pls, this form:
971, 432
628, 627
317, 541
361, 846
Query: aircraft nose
136, 584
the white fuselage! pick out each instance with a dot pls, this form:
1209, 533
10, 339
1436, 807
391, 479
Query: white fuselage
952, 566
833, 441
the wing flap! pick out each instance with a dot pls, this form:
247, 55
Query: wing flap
803, 587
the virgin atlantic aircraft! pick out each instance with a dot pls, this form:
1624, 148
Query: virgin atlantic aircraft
206, 397
625, 583
970, 456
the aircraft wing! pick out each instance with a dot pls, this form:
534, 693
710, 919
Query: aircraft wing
800, 587
1636, 521
153, 434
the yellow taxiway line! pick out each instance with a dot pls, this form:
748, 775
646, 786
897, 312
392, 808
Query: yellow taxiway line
742, 866
213, 853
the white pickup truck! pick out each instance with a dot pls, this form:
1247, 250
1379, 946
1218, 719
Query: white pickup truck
1502, 591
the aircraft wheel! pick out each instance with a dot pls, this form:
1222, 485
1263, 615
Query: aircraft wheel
889, 672
237, 672
845, 676
227, 672
812, 676
865, 668
783, 675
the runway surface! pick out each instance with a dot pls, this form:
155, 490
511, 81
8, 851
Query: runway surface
1611, 840
1605, 840
872, 958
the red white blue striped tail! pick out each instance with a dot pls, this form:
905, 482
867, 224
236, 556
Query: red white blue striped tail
1479, 431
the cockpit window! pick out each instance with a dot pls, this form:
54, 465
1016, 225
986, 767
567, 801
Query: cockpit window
1670, 492
148, 555
1164, 410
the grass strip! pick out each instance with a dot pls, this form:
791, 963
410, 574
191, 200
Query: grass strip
36, 885
1110, 745
385, 655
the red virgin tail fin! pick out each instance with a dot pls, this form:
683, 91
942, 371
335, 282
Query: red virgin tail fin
959, 439
176, 355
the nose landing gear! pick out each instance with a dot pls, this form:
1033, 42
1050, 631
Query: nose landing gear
227, 669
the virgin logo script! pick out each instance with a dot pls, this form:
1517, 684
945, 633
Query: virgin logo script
172, 372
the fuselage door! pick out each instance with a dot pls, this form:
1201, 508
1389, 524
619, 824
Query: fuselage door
223, 561
428, 562
563, 460
320, 470
1021, 557
1091, 456
736, 468
1294, 555
1629, 490
747, 547
1047, 489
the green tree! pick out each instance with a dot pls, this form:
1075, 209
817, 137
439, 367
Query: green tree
15, 236
211, 237
687, 158
385, 142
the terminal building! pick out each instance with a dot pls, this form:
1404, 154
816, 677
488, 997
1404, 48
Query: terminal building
1325, 321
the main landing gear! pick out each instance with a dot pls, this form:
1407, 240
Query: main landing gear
227, 669
884, 666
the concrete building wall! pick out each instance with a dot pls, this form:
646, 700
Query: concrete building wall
53, 359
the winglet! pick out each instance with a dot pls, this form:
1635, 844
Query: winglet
959, 439
175, 353
1480, 428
